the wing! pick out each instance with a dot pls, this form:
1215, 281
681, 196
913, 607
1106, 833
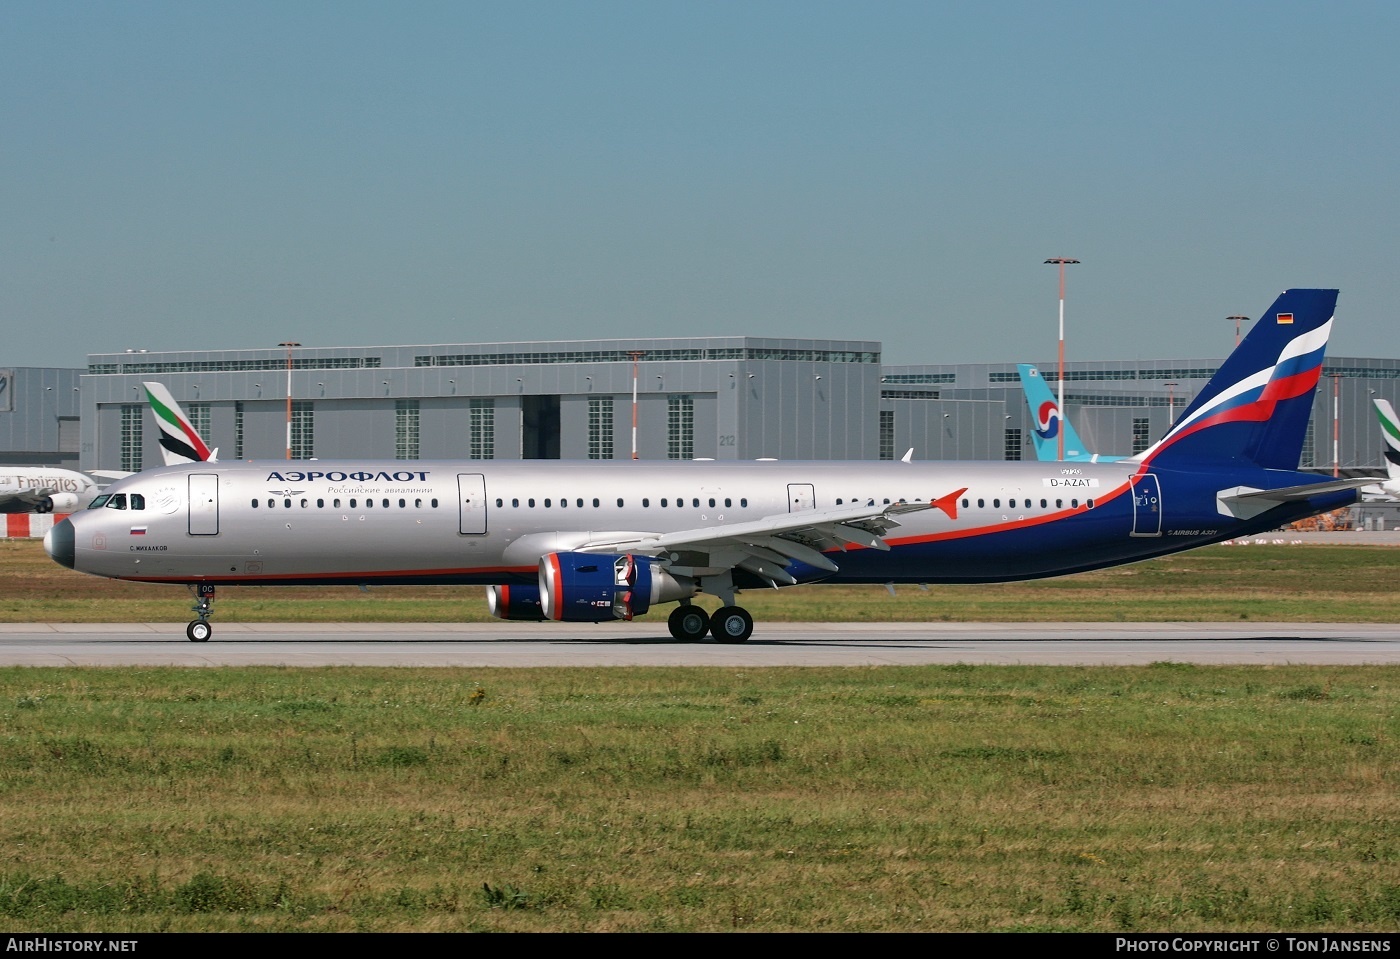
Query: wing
31, 498
766, 546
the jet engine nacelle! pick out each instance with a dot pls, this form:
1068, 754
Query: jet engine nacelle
62, 503
514, 602
594, 588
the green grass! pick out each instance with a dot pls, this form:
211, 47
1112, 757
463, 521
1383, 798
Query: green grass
1168, 797
1269, 583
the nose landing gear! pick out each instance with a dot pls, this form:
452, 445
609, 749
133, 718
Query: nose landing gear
199, 630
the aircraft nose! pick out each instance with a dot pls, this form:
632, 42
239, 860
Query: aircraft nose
58, 543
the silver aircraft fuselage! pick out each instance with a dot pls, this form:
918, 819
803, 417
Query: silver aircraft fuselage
326, 522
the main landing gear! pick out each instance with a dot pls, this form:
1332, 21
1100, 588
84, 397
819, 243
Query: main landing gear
730, 624
199, 630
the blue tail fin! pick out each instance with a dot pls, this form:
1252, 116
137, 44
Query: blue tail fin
1255, 408
1047, 420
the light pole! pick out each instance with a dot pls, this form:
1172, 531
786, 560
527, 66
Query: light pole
289, 345
636, 355
1171, 402
1238, 320
1062, 261
1336, 424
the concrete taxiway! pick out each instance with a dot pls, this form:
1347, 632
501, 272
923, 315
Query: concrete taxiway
648, 644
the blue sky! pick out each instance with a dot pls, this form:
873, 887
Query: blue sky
231, 175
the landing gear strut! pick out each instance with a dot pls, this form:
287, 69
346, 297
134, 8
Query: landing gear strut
199, 630
729, 623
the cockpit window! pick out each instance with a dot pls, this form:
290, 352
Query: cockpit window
138, 501
100, 502
116, 501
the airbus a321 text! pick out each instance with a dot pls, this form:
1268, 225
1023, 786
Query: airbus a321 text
598, 541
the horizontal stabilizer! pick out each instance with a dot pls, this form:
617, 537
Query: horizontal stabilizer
1246, 502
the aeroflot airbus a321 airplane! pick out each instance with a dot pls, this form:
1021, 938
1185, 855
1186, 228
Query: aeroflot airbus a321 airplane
598, 541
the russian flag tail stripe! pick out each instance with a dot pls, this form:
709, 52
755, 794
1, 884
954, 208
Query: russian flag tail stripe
1256, 407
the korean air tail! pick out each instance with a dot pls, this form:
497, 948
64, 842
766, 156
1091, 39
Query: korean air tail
1048, 421
1255, 410
180, 442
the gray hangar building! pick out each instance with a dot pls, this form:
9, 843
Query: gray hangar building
726, 397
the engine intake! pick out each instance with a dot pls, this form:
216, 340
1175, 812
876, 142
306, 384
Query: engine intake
595, 588
61, 503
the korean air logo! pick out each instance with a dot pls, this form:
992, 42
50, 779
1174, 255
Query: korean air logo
1047, 425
